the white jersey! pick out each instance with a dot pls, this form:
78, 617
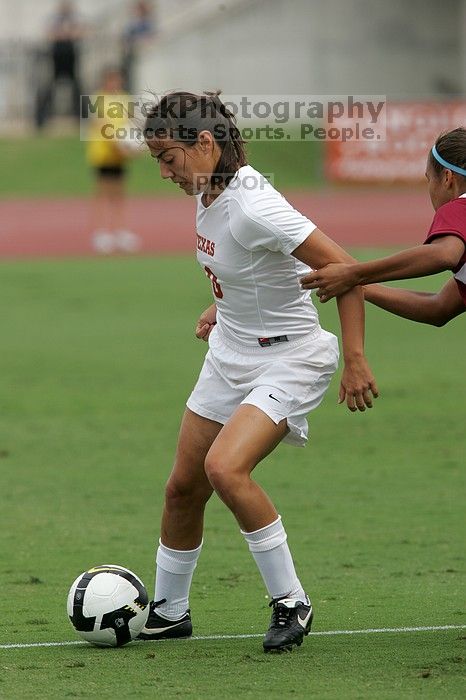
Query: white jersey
244, 243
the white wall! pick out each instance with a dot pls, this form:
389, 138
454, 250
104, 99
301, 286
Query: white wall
411, 48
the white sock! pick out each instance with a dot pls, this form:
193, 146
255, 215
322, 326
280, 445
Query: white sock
273, 557
173, 578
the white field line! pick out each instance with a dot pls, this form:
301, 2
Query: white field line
328, 633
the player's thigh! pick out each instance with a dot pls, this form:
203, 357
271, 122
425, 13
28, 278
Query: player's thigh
194, 441
245, 439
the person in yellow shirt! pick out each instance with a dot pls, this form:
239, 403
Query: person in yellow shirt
109, 158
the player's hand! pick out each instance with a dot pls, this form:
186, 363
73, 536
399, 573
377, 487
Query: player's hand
206, 322
357, 385
330, 281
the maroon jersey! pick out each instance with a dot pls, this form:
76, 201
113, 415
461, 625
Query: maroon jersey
450, 219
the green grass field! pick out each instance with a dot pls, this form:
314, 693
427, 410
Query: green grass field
41, 166
97, 360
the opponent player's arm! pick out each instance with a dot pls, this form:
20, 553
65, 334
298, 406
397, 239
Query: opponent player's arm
441, 254
357, 379
425, 307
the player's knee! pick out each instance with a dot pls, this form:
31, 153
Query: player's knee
180, 493
222, 476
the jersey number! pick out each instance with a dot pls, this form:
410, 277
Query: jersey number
215, 284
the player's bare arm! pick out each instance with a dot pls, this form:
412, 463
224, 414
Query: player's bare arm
434, 308
206, 322
357, 382
442, 254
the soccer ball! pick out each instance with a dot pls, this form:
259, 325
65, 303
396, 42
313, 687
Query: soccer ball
108, 605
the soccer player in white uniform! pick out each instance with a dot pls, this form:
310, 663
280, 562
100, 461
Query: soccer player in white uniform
268, 365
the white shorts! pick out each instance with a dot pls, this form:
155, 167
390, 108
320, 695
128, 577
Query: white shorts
285, 380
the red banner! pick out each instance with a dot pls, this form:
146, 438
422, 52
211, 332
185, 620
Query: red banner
412, 128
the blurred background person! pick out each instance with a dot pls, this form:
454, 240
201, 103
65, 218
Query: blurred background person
140, 29
65, 32
109, 158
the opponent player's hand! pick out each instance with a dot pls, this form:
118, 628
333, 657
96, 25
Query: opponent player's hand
331, 281
206, 322
357, 385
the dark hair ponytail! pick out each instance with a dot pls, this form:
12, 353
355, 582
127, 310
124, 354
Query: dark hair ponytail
183, 115
451, 146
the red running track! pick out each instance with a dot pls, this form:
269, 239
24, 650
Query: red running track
60, 228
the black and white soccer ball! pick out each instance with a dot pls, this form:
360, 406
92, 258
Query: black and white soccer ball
108, 605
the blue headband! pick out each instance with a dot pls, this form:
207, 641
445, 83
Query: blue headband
446, 164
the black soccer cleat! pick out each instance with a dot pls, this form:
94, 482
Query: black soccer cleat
158, 627
291, 621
